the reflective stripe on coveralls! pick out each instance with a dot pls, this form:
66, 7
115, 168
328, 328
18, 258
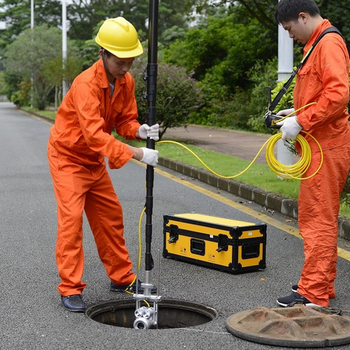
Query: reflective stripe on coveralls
79, 142
323, 79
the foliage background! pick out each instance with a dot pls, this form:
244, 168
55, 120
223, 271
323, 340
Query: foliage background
228, 47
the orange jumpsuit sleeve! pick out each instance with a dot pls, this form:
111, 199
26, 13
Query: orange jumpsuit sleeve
87, 98
323, 79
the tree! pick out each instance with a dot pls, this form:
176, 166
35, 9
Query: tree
31, 58
53, 73
177, 95
17, 15
2, 84
84, 15
221, 52
337, 12
262, 10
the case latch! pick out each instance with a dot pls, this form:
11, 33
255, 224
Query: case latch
173, 234
222, 243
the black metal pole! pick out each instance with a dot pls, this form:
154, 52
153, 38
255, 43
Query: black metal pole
151, 120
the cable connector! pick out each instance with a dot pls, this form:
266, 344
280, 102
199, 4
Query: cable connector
271, 120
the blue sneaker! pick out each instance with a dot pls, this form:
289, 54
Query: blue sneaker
294, 298
130, 288
74, 303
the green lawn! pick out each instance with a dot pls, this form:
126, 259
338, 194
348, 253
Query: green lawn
258, 175
49, 114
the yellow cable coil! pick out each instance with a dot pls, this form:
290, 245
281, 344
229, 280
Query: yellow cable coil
293, 171
298, 169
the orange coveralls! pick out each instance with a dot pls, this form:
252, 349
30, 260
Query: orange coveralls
79, 142
323, 79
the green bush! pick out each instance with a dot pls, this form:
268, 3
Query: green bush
22, 96
220, 52
178, 95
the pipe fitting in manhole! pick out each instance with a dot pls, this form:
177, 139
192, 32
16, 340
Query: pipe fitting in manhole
171, 313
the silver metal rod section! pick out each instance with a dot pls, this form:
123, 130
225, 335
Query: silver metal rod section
158, 272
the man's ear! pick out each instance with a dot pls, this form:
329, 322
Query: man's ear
303, 16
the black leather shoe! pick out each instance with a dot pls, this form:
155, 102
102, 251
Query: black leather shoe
74, 303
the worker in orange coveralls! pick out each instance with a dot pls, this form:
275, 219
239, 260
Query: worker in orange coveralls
323, 79
100, 99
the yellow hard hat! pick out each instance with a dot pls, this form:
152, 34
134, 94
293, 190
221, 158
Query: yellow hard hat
119, 37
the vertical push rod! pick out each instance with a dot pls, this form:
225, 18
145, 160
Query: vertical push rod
151, 120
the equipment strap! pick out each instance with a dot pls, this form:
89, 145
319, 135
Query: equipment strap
285, 87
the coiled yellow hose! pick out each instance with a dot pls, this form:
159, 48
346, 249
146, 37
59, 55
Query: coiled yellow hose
298, 169
293, 171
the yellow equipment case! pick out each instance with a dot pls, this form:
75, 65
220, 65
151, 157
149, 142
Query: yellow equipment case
223, 244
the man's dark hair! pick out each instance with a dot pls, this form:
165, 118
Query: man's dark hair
107, 53
288, 10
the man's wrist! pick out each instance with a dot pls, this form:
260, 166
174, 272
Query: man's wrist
297, 121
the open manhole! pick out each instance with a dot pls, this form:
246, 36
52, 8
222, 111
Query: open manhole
171, 313
297, 326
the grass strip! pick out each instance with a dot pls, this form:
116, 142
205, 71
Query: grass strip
258, 175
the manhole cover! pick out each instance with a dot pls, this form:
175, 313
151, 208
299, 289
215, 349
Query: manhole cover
298, 326
171, 313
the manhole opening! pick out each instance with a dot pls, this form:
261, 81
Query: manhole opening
171, 313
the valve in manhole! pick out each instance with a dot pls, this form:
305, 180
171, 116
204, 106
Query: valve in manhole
297, 326
171, 313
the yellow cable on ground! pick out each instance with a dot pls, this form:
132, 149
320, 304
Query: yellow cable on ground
205, 165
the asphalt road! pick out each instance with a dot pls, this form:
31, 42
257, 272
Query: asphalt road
31, 314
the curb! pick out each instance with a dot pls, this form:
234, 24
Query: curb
285, 206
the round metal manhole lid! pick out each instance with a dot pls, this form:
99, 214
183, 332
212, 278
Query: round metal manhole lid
297, 326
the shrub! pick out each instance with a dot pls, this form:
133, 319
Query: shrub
22, 96
177, 95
